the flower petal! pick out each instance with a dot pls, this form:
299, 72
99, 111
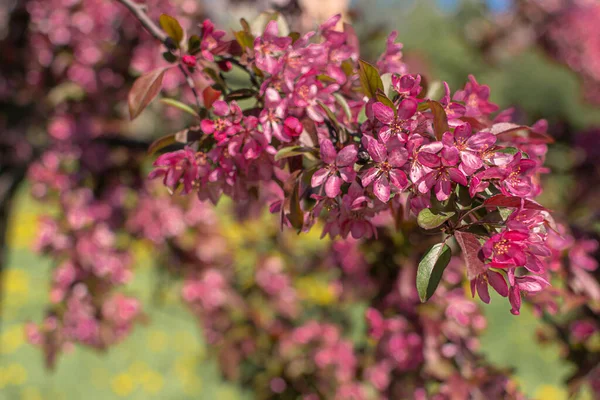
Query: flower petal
347, 156
319, 177
381, 188
333, 185
383, 113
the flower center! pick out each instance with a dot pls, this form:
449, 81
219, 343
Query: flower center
220, 124
501, 247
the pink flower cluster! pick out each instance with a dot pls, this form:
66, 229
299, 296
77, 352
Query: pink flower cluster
347, 151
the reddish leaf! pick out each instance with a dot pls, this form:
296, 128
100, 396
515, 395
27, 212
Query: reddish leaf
144, 90
470, 247
292, 202
210, 95
440, 119
501, 200
475, 124
507, 130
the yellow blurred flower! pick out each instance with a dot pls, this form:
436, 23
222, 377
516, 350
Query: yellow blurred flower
123, 384
23, 233
11, 339
316, 291
152, 382
550, 392
15, 374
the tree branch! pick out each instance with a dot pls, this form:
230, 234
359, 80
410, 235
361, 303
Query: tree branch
139, 11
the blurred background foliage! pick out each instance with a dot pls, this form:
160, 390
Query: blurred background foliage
167, 359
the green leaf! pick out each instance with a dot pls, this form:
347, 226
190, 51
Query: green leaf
171, 28
508, 150
183, 136
245, 39
295, 36
344, 104
386, 79
385, 100
440, 119
430, 270
330, 115
240, 94
370, 80
293, 151
144, 90
245, 25
170, 57
505, 212
194, 44
180, 105
428, 220
348, 67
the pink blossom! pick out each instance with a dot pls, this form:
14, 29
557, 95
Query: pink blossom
442, 162
178, 166
469, 146
227, 123
338, 168
476, 99
385, 174
395, 122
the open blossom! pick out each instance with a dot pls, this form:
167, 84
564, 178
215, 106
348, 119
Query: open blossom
210, 40
514, 178
469, 146
273, 118
178, 166
309, 92
443, 164
385, 174
395, 122
492, 278
270, 48
338, 168
227, 123
476, 99
513, 248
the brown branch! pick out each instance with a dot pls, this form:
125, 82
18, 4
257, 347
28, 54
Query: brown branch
139, 11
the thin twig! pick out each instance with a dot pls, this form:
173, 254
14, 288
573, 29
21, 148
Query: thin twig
191, 84
139, 11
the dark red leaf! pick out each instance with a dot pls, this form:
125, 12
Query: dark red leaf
501, 200
210, 95
470, 247
144, 90
440, 119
